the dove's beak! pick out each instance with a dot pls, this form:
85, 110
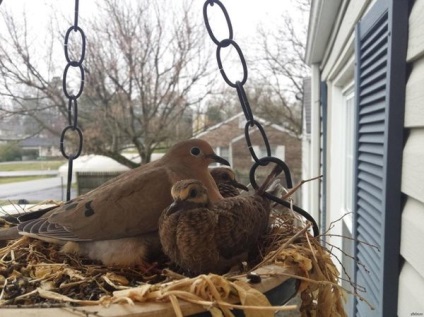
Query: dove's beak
218, 159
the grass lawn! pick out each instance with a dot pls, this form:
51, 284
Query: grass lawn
27, 166
31, 165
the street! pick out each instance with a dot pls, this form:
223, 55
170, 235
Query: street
53, 188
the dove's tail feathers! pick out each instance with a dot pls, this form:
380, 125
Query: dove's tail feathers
11, 233
36, 214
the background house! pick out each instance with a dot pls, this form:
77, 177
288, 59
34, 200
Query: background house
40, 147
367, 136
228, 140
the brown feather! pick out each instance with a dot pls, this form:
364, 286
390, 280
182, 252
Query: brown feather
211, 237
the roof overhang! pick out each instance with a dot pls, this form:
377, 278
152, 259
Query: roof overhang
321, 23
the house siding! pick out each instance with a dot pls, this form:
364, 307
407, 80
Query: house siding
410, 272
411, 279
222, 136
292, 151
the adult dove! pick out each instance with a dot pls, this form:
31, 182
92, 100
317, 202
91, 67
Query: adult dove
225, 179
117, 222
203, 236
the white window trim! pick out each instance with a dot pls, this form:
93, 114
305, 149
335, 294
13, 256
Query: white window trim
348, 177
344, 88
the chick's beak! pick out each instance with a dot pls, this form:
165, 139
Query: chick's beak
218, 159
239, 185
172, 208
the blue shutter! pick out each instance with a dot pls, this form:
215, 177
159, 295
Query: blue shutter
381, 41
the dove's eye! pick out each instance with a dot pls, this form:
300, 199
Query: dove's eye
226, 177
195, 151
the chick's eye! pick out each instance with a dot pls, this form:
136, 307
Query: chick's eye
226, 177
195, 151
193, 193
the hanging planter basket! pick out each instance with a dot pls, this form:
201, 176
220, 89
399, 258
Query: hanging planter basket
37, 280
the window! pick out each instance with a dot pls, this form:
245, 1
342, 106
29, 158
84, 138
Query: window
276, 151
224, 152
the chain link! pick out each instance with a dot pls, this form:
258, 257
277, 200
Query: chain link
208, 26
73, 97
267, 146
251, 122
244, 102
226, 43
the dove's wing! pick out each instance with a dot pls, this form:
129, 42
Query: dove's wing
129, 205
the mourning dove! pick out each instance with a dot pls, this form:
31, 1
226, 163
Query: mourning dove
225, 179
117, 222
202, 236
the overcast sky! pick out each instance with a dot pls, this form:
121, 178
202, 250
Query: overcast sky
245, 14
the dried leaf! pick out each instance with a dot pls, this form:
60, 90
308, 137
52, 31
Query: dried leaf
252, 297
215, 311
47, 285
62, 298
115, 278
40, 272
176, 306
74, 274
137, 294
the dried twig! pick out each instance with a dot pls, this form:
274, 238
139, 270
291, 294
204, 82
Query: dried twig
272, 255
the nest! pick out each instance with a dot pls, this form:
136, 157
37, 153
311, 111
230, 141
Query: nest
36, 274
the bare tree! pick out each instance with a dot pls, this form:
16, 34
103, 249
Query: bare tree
279, 83
276, 73
144, 66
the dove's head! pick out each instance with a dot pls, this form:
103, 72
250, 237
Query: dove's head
194, 152
190, 190
226, 176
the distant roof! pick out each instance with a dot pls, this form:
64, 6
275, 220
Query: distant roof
216, 126
260, 120
100, 163
37, 141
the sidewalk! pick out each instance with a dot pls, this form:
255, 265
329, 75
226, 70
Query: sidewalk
28, 173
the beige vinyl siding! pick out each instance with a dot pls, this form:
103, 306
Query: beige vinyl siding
416, 27
413, 236
410, 296
411, 280
414, 114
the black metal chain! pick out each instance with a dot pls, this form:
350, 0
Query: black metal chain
250, 121
73, 98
